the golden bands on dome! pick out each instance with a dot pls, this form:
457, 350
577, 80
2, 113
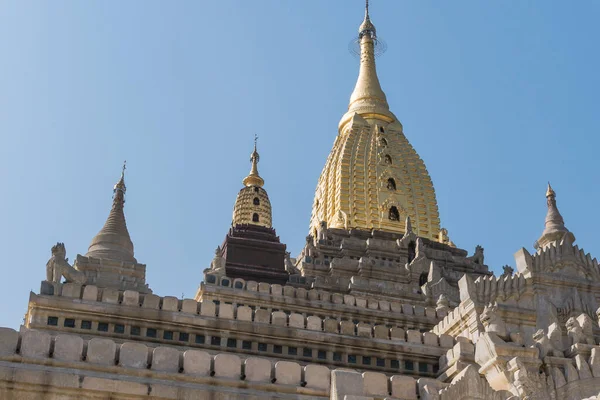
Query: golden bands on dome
252, 206
374, 179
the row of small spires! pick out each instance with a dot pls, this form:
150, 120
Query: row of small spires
113, 240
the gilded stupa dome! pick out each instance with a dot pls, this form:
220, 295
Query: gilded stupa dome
252, 205
373, 177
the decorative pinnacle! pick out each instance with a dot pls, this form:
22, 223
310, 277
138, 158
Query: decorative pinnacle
120, 186
367, 26
550, 191
254, 179
554, 225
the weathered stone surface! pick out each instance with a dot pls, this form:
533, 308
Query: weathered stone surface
375, 384
279, 318
289, 291
189, 306
317, 376
208, 308
165, 359
226, 311
582, 367
349, 300
252, 286
101, 351
257, 369
430, 339
446, 341
35, 344
228, 366
337, 298
296, 320
407, 309
381, 332
413, 336
313, 323
244, 313
595, 362
110, 295
331, 325
384, 305
398, 334
90, 292
9, 339
170, 303
313, 295
262, 316
346, 383
347, 328
396, 307
151, 301
301, 293
276, 290
360, 302
68, 348
373, 304
364, 330
196, 362
287, 373
419, 311
264, 287
404, 387
131, 298
71, 290
133, 355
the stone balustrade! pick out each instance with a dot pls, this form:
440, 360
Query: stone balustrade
352, 385
323, 296
105, 355
129, 298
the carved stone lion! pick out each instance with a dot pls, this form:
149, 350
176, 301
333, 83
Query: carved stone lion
545, 346
576, 333
58, 267
493, 323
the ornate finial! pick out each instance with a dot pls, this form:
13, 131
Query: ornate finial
119, 189
254, 179
550, 191
554, 225
367, 26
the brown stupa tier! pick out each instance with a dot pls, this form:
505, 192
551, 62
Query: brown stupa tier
254, 252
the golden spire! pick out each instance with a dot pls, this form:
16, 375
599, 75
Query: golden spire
254, 179
113, 241
368, 99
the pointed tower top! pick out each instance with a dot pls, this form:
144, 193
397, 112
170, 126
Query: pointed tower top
367, 26
254, 179
550, 191
368, 99
555, 227
113, 241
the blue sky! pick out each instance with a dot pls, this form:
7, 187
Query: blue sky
496, 97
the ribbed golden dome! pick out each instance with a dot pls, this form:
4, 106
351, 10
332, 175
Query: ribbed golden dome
252, 205
373, 178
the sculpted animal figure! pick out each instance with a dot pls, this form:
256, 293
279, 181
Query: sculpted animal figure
545, 346
493, 323
577, 333
58, 267
289, 265
217, 264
